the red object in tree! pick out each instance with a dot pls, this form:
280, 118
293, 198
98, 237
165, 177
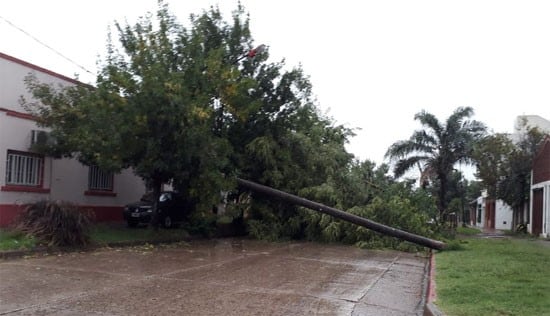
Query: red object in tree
253, 52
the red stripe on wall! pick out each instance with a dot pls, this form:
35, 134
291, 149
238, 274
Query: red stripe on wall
8, 213
106, 213
23, 188
21, 115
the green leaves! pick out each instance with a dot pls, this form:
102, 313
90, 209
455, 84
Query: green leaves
514, 184
490, 154
183, 106
437, 148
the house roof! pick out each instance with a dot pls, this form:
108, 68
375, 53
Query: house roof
38, 68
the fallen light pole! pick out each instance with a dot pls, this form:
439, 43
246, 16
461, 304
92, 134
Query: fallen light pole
377, 227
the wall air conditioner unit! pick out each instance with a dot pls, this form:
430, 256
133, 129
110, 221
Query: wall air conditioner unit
40, 139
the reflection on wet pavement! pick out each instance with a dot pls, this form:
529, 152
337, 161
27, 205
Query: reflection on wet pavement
216, 277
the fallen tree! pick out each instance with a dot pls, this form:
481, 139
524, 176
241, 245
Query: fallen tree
380, 228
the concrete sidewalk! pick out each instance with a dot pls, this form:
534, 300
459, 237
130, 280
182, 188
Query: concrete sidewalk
218, 277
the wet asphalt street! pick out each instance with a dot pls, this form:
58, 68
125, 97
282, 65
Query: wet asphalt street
217, 277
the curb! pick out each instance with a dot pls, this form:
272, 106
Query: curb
14, 254
429, 308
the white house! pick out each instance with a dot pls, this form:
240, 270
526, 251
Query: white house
495, 214
491, 214
27, 176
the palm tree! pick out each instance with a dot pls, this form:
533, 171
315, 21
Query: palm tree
437, 148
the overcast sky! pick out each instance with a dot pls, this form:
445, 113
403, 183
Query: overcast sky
373, 64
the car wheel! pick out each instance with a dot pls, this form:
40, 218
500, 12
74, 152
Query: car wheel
132, 223
167, 222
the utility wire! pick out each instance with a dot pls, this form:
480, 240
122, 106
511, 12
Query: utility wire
45, 45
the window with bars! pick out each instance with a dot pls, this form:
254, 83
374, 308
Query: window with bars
24, 169
99, 180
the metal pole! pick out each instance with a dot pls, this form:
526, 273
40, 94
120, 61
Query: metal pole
377, 227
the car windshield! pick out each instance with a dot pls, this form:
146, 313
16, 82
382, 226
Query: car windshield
164, 197
147, 197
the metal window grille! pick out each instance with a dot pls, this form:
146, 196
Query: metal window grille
99, 179
24, 169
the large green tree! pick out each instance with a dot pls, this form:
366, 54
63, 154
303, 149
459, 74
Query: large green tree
437, 148
489, 155
504, 167
195, 106
515, 181
153, 106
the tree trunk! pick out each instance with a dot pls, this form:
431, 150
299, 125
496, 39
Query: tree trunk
156, 195
514, 221
441, 203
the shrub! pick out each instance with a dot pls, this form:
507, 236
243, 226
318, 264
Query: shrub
201, 223
265, 231
56, 223
521, 228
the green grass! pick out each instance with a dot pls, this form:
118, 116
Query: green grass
104, 233
100, 234
14, 240
494, 277
467, 231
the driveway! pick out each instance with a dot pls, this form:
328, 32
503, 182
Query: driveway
217, 277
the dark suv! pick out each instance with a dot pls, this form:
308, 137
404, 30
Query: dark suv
172, 209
